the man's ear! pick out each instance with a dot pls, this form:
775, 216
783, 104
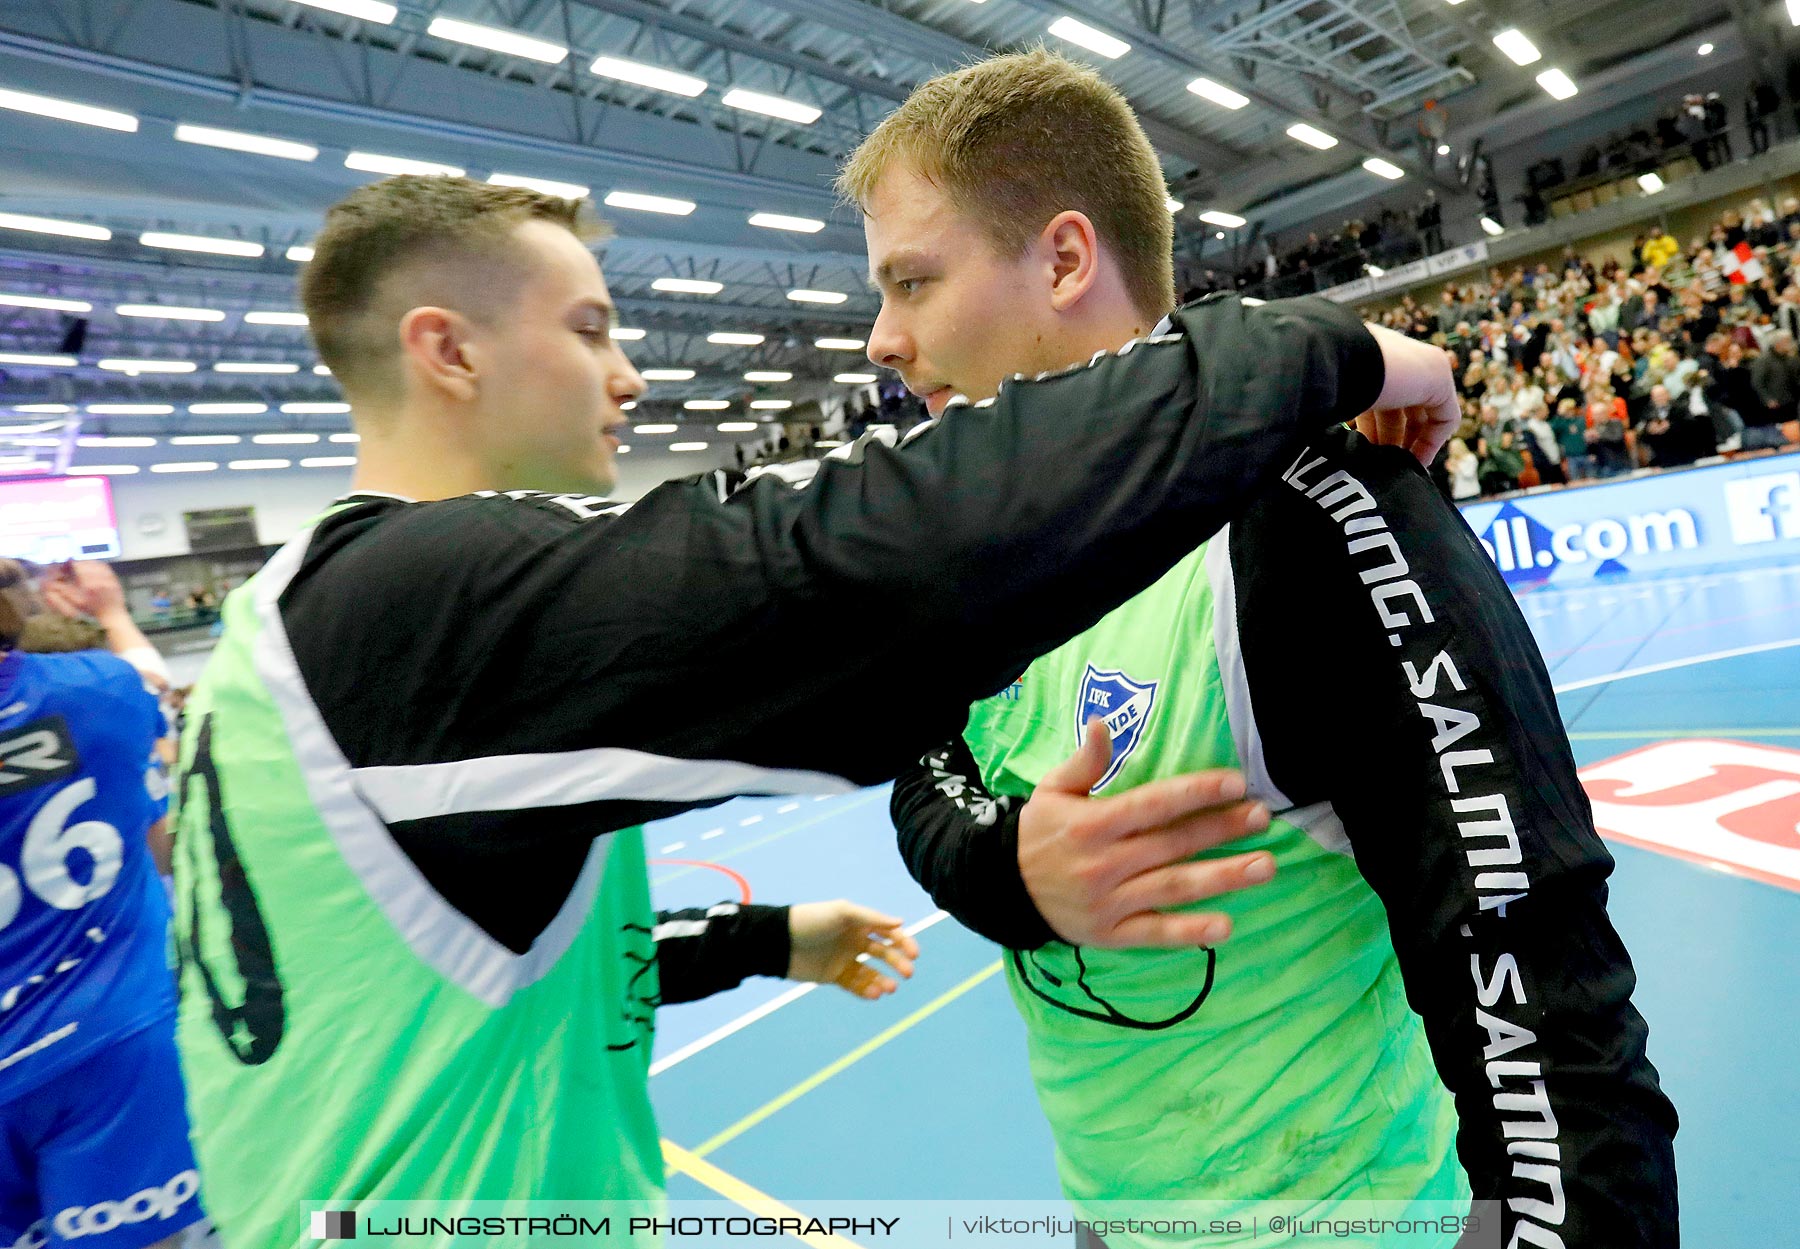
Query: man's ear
434, 349
1072, 247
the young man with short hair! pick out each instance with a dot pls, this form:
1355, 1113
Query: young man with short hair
419, 956
1015, 221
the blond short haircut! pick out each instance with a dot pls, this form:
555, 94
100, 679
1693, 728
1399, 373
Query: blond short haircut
410, 223
1015, 140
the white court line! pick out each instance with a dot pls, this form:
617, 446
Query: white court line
710, 834
769, 1007
1677, 663
747, 821
783, 810
674, 846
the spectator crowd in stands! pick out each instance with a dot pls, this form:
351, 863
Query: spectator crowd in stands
1584, 368
1321, 262
1699, 126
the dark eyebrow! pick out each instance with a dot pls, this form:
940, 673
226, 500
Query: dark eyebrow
909, 256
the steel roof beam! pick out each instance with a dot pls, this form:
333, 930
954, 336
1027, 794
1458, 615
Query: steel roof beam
1354, 128
503, 144
940, 48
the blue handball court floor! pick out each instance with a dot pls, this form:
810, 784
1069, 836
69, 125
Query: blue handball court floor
1681, 693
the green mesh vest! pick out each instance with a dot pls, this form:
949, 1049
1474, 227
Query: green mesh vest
1286, 1065
347, 1035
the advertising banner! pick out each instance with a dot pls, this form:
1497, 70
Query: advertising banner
1722, 514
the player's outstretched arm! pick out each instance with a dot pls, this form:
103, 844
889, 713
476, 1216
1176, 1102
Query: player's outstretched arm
841, 943
708, 950
1001, 531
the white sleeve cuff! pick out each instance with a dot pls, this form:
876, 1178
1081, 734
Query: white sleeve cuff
147, 660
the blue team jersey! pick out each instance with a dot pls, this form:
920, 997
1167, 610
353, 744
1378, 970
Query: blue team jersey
83, 918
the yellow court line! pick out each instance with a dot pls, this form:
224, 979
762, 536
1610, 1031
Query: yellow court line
1653, 734
854, 1056
733, 1189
